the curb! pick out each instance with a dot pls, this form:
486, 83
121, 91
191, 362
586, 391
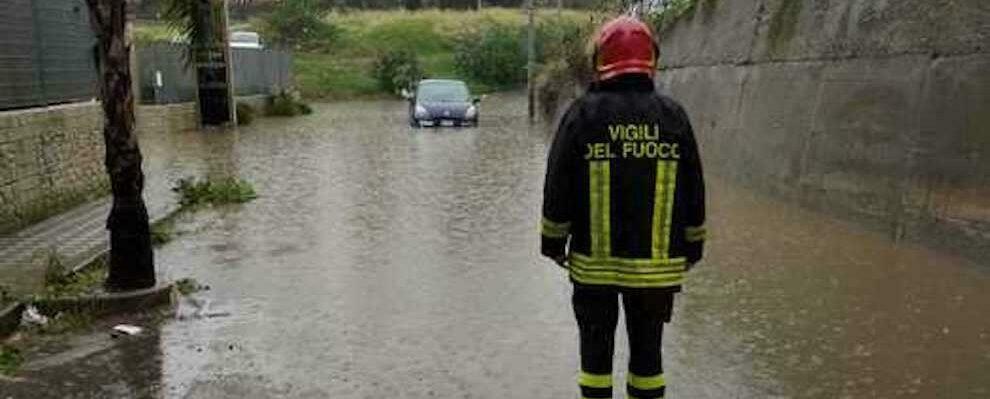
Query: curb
94, 305
98, 305
114, 303
10, 319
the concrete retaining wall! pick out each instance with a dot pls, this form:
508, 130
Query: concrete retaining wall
875, 109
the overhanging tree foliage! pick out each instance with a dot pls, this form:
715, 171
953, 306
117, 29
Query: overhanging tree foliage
198, 21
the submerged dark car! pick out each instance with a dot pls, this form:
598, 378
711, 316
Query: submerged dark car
442, 102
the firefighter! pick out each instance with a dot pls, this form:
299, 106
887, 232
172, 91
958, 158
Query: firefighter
624, 209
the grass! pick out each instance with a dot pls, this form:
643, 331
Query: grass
344, 70
189, 286
326, 76
60, 283
193, 192
162, 232
6, 297
56, 273
67, 322
675, 11
10, 360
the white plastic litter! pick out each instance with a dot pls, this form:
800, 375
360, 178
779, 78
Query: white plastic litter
32, 316
127, 329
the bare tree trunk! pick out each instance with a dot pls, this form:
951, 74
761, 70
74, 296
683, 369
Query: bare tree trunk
131, 258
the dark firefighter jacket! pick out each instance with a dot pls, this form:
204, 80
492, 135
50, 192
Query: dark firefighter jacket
624, 187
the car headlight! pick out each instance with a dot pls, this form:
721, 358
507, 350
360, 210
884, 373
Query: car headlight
421, 112
471, 112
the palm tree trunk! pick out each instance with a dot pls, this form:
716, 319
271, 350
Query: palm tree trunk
131, 258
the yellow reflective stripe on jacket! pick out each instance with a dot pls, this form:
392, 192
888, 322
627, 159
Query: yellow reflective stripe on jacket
627, 272
646, 383
626, 280
663, 207
553, 229
695, 233
600, 194
594, 380
630, 264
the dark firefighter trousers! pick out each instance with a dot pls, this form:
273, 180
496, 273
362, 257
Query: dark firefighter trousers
597, 311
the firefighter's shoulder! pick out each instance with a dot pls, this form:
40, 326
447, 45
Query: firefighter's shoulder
672, 105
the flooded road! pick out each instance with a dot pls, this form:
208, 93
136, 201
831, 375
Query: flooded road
385, 261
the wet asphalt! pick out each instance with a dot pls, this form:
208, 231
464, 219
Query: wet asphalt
382, 261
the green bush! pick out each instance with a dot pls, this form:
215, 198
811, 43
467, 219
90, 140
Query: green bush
56, 272
396, 70
492, 53
282, 106
5, 296
564, 42
300, 24
245, 113
304, 108
88, 280
673, 12
552, 85
10, 360
194, 192
161, 234
565, 61
288, 103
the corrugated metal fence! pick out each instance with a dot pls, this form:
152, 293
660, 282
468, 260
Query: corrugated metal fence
47, 57
261, 71
46, 53
165, 79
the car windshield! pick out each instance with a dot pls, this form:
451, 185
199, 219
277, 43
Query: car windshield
443, 92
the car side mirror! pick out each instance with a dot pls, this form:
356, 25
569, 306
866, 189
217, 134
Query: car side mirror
406, 94
476, 100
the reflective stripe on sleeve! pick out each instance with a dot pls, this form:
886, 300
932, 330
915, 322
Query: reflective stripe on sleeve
549, 228
695, 233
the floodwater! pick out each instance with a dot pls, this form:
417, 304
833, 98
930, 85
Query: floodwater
385, 261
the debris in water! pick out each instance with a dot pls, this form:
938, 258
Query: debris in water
126, 329
32, 316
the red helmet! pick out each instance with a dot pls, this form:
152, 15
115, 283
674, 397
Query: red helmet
625, 45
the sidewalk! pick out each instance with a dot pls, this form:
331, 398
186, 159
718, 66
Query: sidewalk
78, 235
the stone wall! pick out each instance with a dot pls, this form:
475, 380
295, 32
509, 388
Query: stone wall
875, 109
47, 161
51, 158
